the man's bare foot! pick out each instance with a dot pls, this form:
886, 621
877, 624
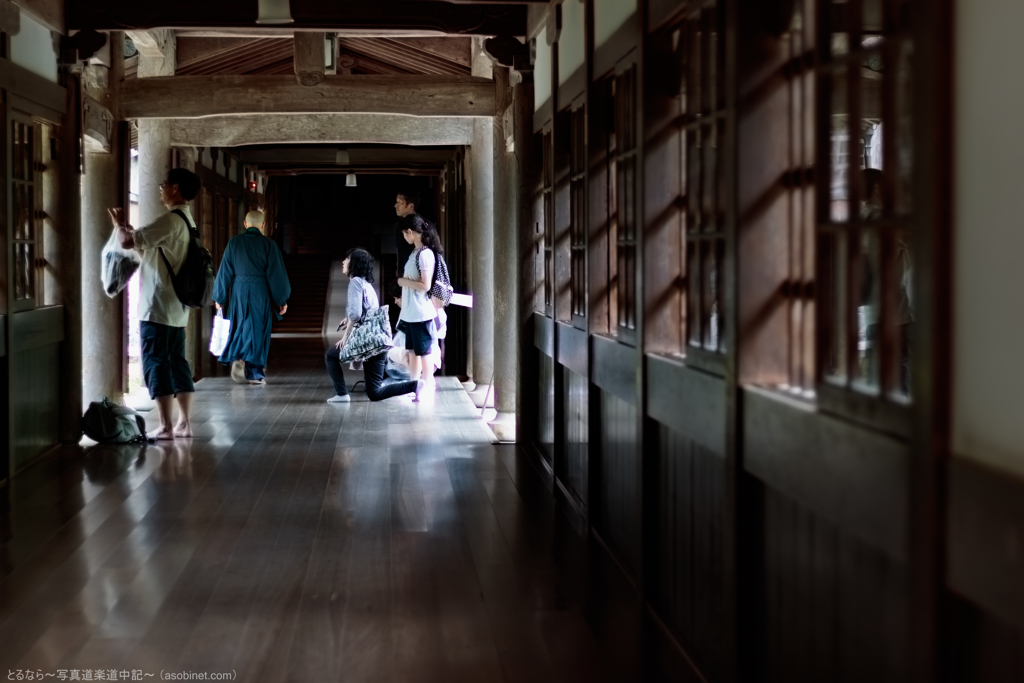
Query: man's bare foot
183, 431
164, 434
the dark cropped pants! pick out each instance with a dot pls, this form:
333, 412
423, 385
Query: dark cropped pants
373, 373
164, 365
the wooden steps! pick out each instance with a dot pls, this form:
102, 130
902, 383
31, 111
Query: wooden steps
310, 277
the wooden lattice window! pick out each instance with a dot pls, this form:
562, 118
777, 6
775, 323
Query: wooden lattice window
799, 180
622, 199
864, 210
548, 227
25, 212
578, 212
704, 116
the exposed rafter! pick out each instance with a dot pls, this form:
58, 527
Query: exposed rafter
406, 57
233, 57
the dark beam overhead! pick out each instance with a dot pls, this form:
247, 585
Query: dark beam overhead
356, 155
398, 16
183, 97
383, 169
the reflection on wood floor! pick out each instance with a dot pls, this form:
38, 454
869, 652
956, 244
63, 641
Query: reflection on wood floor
295, 540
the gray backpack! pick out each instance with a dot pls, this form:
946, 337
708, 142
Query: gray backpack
107, 422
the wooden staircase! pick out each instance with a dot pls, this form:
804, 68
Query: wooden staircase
310, 277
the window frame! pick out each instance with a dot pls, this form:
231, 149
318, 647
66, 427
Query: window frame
579, 272
623, 244
17, 118
880, 406
704, 234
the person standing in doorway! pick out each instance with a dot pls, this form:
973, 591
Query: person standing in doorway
162, 316
418, 313
253, 286
405, 205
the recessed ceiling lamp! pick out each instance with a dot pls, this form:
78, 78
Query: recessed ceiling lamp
350, 180
275, 12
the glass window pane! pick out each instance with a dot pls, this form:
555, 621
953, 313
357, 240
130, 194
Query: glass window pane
839, 189
693, 173
874, 16
693, 299
24, 278
869, 287
904, 130
839, 27
902, 276
709, 173
834, 276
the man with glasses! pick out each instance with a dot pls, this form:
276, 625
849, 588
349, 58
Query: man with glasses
405, 205
162, 316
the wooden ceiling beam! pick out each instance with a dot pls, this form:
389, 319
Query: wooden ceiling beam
201, 96
358, 156
384, 16
336, 129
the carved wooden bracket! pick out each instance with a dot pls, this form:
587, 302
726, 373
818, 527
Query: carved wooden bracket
98, 125
310, 61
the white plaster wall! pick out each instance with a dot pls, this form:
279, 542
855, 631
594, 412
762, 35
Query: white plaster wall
542, 70
33, 49
988, 398
609, 15
571, 43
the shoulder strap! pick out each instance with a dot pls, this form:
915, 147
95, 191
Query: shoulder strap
188, 223
182, 216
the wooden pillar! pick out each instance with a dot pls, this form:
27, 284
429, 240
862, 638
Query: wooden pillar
480, 176
62, 206
187, 159
101, 321
506, 264
157, 56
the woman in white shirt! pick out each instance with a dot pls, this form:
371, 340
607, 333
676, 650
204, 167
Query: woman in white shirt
418, 311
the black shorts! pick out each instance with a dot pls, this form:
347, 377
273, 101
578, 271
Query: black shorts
164, 365
419, 337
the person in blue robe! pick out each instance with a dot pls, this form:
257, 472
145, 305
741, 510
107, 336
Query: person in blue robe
252, 285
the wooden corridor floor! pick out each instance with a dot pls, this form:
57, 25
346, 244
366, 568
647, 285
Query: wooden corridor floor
292, 540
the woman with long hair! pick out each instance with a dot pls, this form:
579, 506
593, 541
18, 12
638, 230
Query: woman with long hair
418, 312
362, 299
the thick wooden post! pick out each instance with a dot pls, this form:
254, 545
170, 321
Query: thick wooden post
102, 325
506, 265
480, 244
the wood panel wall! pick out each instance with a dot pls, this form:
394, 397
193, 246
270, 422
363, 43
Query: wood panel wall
768, 536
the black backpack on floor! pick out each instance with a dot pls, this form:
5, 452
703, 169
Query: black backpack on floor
107, 422
193, 283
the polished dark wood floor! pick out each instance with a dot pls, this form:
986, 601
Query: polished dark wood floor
296, 540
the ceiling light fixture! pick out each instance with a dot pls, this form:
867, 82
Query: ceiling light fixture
275, 12
350, 180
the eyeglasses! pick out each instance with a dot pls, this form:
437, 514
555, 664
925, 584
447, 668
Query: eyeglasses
166, 184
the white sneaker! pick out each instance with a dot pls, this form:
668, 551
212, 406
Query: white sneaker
339, 399
238, 371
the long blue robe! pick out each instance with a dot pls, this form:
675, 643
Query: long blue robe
252, 274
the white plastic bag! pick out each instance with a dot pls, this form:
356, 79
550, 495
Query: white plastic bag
220, 333
117, 265
397, 364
